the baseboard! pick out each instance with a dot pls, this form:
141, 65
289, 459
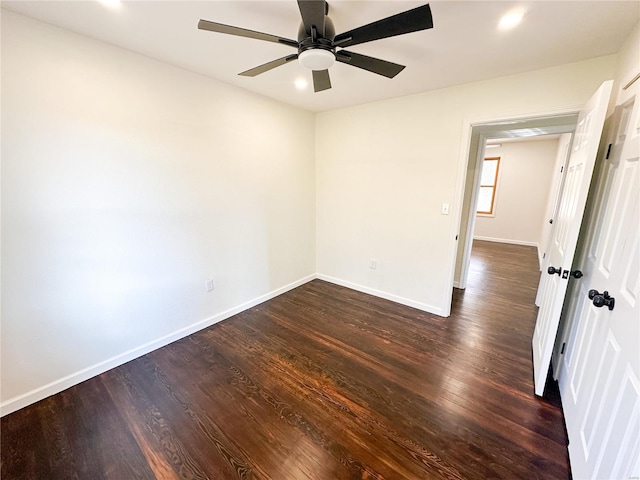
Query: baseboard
379, 293
58, 386
508, 240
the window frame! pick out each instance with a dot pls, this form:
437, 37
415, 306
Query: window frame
492, 209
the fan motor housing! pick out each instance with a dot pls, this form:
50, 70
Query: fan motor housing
324, 42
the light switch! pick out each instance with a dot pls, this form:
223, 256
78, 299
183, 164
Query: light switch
445, 209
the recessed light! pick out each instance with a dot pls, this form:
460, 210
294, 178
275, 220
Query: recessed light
111, 3
510, 20
301, 84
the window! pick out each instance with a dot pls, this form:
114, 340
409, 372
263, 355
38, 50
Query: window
488, 184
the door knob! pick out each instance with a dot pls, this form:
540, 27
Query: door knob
554, 270
576, 273
602, 299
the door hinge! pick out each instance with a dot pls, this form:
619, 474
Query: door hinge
544, 255
608, 151
562, 169
563, 346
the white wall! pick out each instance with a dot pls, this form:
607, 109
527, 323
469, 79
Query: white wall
126, 183
525, 174
384, 170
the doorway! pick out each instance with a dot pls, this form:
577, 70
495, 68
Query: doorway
488, 133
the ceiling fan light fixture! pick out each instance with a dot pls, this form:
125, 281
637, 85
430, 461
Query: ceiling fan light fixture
317, 42
317, 59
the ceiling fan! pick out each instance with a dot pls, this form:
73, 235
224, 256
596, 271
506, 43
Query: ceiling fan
318, 44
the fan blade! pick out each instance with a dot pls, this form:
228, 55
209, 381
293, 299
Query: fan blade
406, 22
268, 66
321, 80
243, 32
312, 12
375, 65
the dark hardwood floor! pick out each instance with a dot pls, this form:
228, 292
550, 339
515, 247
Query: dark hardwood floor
319, 383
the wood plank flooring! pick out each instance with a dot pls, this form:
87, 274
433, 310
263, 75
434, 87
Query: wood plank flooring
319, 383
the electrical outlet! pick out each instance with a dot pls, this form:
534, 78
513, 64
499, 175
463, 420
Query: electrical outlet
209, 285
373, 263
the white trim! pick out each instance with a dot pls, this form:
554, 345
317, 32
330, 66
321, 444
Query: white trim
507, 240
456, 220
482, 119
468, 122
473, 203
457, 285
379, 293
540, 258
40, 393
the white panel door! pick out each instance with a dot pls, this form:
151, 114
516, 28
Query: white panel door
557, 184
600, 371
567, 227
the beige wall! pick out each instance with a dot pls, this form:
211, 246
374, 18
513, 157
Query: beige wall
525, 174
126, 184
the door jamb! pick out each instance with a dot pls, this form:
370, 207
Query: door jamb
463, 160
471, 219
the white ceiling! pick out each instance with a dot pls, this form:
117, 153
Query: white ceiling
465, 44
